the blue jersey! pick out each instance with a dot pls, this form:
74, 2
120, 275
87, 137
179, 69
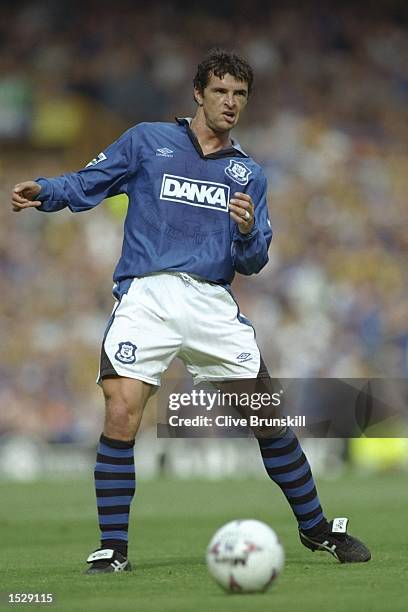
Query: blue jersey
177, 218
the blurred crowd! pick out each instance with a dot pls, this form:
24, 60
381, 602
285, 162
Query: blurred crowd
328, 123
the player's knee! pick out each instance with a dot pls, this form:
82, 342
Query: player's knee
118, 414
119, 406
121, 409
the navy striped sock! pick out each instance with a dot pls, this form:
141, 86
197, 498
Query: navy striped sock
287, 465
115, 488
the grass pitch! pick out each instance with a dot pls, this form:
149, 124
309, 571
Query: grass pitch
48, 528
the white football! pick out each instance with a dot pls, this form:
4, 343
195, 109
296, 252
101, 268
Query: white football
245, 556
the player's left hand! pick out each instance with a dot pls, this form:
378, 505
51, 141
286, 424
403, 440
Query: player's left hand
241, 210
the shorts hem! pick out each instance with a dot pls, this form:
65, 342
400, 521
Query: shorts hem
147, 379
199, 379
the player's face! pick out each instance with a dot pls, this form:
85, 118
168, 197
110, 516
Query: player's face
222, 102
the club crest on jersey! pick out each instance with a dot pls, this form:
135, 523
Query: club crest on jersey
126, 352
96, 160
238, 172
194, 192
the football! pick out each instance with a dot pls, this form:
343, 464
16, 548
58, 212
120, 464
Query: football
245, 556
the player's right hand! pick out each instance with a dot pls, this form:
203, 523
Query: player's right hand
23, 195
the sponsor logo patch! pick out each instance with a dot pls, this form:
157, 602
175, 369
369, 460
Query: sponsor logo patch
194, 192
126, 352
238, 172
96, 160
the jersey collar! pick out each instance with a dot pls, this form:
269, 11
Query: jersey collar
232, 151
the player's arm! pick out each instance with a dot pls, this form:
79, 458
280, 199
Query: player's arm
105, 176
252, 233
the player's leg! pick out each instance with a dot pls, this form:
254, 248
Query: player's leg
139, 343
125, 399
229, 351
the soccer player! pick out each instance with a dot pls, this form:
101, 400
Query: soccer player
197, 214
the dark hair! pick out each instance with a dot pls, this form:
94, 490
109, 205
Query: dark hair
220, 62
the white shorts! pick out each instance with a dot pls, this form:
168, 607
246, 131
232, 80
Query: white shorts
169, 315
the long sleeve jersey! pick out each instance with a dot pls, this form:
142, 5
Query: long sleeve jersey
178, 217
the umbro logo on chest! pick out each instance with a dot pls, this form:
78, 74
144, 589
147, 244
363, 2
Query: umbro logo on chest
164, 152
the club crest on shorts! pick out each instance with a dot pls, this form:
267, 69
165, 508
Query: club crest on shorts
126, 352
238, 172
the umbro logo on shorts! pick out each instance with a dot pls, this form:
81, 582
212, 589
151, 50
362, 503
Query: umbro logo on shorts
126, 352
244, 357
194, 192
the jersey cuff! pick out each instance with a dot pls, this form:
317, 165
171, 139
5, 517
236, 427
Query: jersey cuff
46, 192
46, 196
247, 237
